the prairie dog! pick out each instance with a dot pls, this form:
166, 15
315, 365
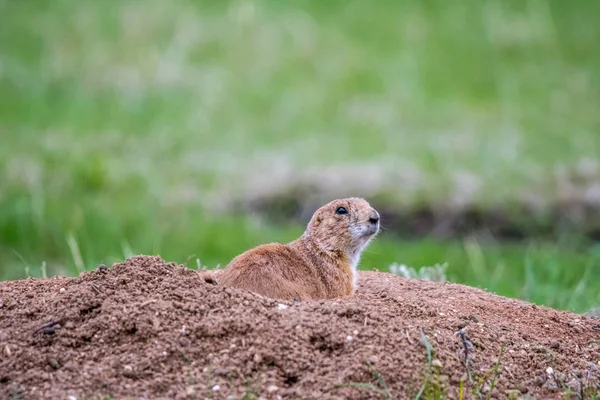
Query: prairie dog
320, 264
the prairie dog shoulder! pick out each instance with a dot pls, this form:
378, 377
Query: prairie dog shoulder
320, 264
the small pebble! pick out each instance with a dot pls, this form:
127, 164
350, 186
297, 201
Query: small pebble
62, 290
272, 389
281, 306
54, 363
523, 388
348, 338
549, 371
539, 381
216, 388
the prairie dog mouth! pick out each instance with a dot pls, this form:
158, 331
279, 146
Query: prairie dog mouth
365, 231
371, 230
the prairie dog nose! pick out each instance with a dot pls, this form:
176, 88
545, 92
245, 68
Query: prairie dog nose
374, 218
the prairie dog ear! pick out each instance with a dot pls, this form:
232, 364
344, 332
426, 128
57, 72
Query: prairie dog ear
316, 219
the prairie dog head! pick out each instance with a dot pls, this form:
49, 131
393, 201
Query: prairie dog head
344, 225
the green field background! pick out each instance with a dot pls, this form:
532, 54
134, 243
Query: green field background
127, 127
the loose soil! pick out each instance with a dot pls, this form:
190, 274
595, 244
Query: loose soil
148, 329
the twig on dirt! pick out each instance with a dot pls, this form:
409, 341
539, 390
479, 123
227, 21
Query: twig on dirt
95, 289
49, 327
365, 323
408, 338
581, 394
466, 346
510, 373
144, 304
177, 296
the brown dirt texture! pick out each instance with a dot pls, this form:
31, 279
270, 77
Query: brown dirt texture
150, 329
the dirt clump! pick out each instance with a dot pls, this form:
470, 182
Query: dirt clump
149, 329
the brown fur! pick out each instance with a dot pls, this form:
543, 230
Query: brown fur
321, 264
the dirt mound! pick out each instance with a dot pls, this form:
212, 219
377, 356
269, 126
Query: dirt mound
149, 329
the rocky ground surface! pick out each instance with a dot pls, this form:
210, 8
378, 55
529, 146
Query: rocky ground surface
145, 328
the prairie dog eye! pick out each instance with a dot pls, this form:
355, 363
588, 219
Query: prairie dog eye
341, 211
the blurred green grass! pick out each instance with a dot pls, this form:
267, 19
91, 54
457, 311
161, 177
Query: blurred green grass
123, 122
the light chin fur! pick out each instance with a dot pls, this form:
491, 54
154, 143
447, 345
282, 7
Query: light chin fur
361, 242
361, 235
